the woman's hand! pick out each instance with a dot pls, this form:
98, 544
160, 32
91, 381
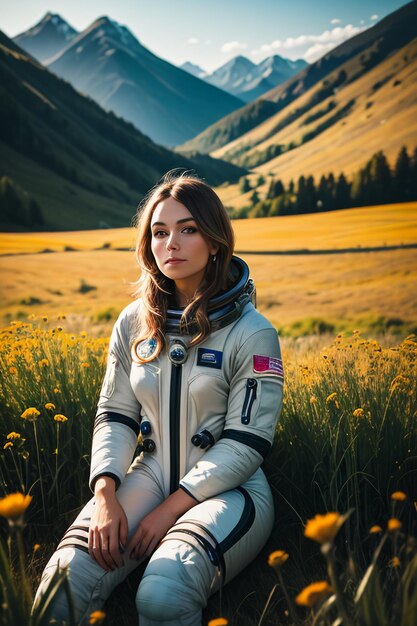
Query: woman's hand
155, 525
108, 526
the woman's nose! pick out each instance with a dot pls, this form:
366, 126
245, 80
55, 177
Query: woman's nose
172, 243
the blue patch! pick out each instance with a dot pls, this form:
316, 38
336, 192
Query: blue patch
209, 358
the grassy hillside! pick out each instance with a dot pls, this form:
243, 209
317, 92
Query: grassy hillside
373, 45
375, 111
85, 167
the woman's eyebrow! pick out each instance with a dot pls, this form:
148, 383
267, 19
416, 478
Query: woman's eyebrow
185, 219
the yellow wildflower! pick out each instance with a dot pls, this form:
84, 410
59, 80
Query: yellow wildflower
85, 365
50, 406
324, 528
313, 593
36, 547
14, 505
30, 414
14, 435
219, 621
8, 445
375, 529
56, 390
44, 362
61, 316
399, 496
97, 617
44, 318
395, 561
333, 398
400, 382
358, 413
12, 370
394, 524
277, 558
83, 334
59, 328
60, 418
313, 400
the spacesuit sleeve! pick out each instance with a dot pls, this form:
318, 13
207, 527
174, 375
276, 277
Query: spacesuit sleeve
254, 406
116, 425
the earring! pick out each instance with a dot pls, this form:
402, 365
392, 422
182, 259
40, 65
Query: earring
213, 258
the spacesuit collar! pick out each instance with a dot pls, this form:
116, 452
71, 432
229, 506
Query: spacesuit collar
226, 306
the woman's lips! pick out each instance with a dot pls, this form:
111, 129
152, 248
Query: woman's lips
175, 261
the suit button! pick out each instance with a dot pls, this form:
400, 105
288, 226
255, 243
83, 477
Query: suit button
145, 428
149, 445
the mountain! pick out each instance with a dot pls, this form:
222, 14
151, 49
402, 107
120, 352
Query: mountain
73, 165
106, 62
374, 45
47, 37
246, 80
193, 69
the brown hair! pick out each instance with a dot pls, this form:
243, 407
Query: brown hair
153, 287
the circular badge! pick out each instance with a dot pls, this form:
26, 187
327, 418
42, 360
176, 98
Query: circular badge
177, 353
146, 348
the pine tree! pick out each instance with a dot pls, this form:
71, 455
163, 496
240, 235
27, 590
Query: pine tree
380, 177
311, 195
244, 185
342, 193
276, 188
254, 198
413, 176
401, 188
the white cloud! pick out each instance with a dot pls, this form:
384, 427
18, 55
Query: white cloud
317, 50
207, 42
191, 41
335, 21
318, 44
233, 46
374, 17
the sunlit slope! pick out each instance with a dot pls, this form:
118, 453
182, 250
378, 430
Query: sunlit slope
387, 225
376, 111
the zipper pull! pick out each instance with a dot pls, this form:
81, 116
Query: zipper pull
250, 396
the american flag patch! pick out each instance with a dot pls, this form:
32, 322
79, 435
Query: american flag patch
268, 365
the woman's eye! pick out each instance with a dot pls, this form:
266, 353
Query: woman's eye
158, 233
190, 229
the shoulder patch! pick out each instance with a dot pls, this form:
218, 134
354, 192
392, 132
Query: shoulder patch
268, 365
209, 358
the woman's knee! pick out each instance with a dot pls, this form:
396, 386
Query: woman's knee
175, 584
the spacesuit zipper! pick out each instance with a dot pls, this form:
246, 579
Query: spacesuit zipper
250, 396
174, 426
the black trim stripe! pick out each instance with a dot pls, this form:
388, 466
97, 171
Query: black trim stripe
116, 417
211, 552
244, 524
260, 444
222, 564
188, 493
115, 478
174, 426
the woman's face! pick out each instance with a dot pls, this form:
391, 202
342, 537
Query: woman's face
180, 250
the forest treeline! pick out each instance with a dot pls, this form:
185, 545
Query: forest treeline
375, 183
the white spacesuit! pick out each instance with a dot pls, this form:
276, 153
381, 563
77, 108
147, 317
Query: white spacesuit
207, 415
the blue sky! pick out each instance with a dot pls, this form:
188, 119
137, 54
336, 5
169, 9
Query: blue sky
210, 32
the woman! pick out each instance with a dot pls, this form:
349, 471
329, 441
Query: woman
195, 369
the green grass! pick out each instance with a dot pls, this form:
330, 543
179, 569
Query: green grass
324, 457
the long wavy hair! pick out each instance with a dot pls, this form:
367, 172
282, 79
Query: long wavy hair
154, 288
